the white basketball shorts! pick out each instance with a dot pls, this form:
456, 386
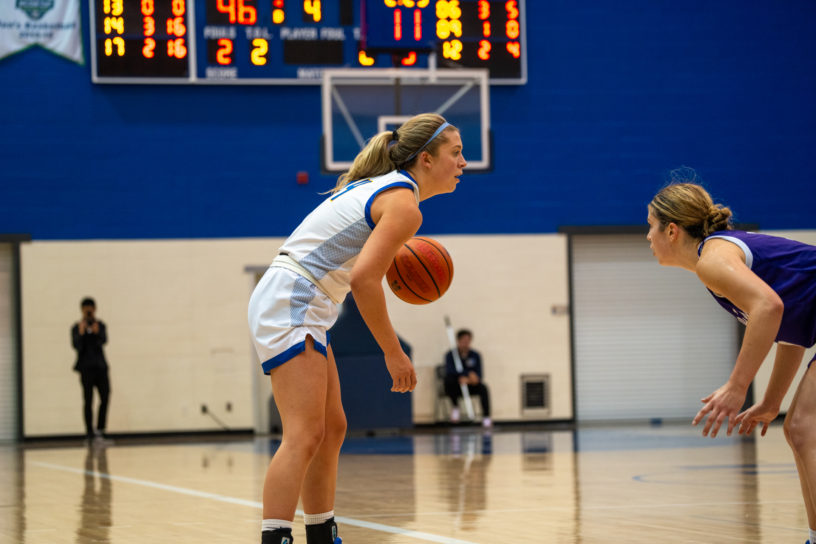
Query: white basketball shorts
284, 309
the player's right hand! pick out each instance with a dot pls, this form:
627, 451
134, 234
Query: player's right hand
402, 372
720, 406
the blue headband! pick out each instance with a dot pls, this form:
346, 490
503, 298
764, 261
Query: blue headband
442, 127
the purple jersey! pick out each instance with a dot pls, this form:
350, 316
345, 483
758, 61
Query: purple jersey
789, 267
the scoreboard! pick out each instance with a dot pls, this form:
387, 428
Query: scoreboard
293, 41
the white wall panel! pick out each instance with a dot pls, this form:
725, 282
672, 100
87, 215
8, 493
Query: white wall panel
178, 335
650, 341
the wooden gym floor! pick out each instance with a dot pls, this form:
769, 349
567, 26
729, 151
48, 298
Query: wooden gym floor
621, 484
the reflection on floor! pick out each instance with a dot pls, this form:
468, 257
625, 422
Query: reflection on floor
628, 484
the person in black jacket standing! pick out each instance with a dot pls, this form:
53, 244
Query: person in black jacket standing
89, 335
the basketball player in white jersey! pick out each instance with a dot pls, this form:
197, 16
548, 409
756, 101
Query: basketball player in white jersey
345, 244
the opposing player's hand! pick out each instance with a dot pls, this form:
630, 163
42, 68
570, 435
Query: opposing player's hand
753, 416
722, 404
402, 372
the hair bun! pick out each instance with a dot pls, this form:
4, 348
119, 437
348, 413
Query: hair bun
719, 218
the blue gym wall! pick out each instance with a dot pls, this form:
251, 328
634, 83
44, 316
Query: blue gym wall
618, 92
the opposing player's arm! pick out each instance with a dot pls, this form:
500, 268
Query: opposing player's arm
722, 269
787, 362
397, 218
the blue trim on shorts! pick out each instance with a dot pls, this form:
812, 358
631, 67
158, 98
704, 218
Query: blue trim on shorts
292, 352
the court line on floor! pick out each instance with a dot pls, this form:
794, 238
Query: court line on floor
598, 508
418, 535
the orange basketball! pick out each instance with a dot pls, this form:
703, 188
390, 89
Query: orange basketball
421, 272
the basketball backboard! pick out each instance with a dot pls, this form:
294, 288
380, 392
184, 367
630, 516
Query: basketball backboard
359, 103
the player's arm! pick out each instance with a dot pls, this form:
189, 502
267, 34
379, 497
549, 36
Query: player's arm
787, 361
397, 218
722, 269
76, 335
450, 366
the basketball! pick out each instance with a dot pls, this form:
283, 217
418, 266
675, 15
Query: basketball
421, 272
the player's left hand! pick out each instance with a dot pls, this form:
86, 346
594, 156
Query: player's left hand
756, 414
722, 404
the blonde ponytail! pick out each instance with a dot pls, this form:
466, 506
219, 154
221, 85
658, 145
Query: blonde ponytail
373, 160
398, 148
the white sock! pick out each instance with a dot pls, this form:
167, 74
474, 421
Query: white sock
272, 524
812, 536
317, 519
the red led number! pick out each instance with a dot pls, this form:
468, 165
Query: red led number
239, 11
512, 29
175, 27
176, 48
484, 50
224, 53
512, 9
149, 48
148, 8
484, 10
397, 24
514, 49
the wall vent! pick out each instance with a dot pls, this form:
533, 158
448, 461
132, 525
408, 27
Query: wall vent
535, 395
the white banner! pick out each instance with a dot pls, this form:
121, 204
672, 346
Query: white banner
53, 24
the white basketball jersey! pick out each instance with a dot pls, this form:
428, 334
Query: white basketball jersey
328, 240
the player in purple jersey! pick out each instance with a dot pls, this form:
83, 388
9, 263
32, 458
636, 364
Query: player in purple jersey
769, 283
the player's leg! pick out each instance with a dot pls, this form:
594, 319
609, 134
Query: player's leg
453, 390
484, 398
800, 431
320, 482
299, 387
103, 387
86, 379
